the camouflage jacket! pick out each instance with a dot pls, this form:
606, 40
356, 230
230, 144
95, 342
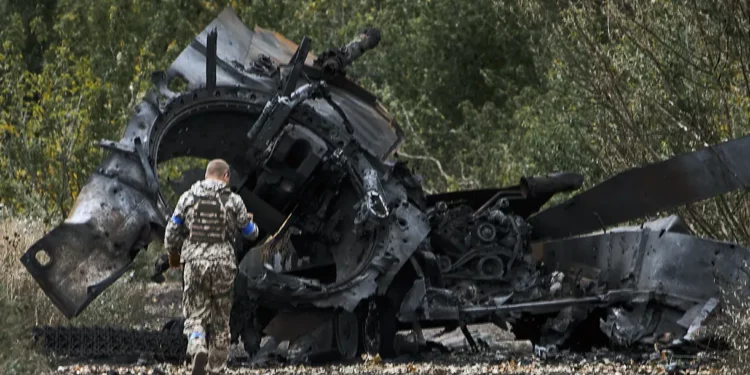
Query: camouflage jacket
176, 238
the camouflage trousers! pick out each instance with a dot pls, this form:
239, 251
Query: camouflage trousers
206, 304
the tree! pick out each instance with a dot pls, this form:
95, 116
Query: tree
640, 82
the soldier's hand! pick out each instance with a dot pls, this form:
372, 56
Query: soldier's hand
250, 216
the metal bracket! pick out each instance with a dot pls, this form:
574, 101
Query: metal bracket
609, 298
297, 62
116, 146
151, 183
413, 301
469, 337
211, 59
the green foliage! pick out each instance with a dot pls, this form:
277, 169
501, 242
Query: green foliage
486, 91
96, 60
631, 84
48, 124
92, 61
449, 71
171, 170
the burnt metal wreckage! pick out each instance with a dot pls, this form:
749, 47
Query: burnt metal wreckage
352, 249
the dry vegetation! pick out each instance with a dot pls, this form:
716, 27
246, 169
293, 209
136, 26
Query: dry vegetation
733, 326
24, 305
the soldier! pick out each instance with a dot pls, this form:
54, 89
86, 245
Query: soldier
198, 238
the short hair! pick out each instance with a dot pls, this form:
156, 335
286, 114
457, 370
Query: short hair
217, 168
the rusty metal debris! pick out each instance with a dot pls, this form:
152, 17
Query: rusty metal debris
361, 252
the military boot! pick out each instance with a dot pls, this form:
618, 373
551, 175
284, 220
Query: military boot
197, 349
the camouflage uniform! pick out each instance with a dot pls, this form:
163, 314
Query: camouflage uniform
200, 232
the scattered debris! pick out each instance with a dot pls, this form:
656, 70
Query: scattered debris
354, 250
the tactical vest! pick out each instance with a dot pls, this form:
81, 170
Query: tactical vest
209, 222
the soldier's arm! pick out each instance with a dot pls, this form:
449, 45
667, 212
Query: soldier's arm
176, 231
245, 222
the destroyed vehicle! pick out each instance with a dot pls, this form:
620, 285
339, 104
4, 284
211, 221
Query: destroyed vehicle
353, 250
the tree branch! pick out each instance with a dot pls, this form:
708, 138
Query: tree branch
446, 176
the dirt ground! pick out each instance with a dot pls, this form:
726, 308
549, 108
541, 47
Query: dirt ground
486, 363
164, 303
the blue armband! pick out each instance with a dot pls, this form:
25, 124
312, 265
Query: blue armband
248, 229
177, 220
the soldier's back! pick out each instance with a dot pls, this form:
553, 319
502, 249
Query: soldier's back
210, 218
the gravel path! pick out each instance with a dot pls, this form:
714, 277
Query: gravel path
452, 364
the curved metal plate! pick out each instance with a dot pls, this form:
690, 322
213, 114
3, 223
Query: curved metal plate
111, 219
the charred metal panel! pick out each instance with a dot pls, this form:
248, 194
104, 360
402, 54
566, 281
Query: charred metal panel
268, 218
409, 227
413, 302
673, 223
274, 45
111, 220
372, 128
687, 178
233, 55
679, 269
687, 268
141, 124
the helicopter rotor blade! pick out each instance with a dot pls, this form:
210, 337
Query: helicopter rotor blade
635, 193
